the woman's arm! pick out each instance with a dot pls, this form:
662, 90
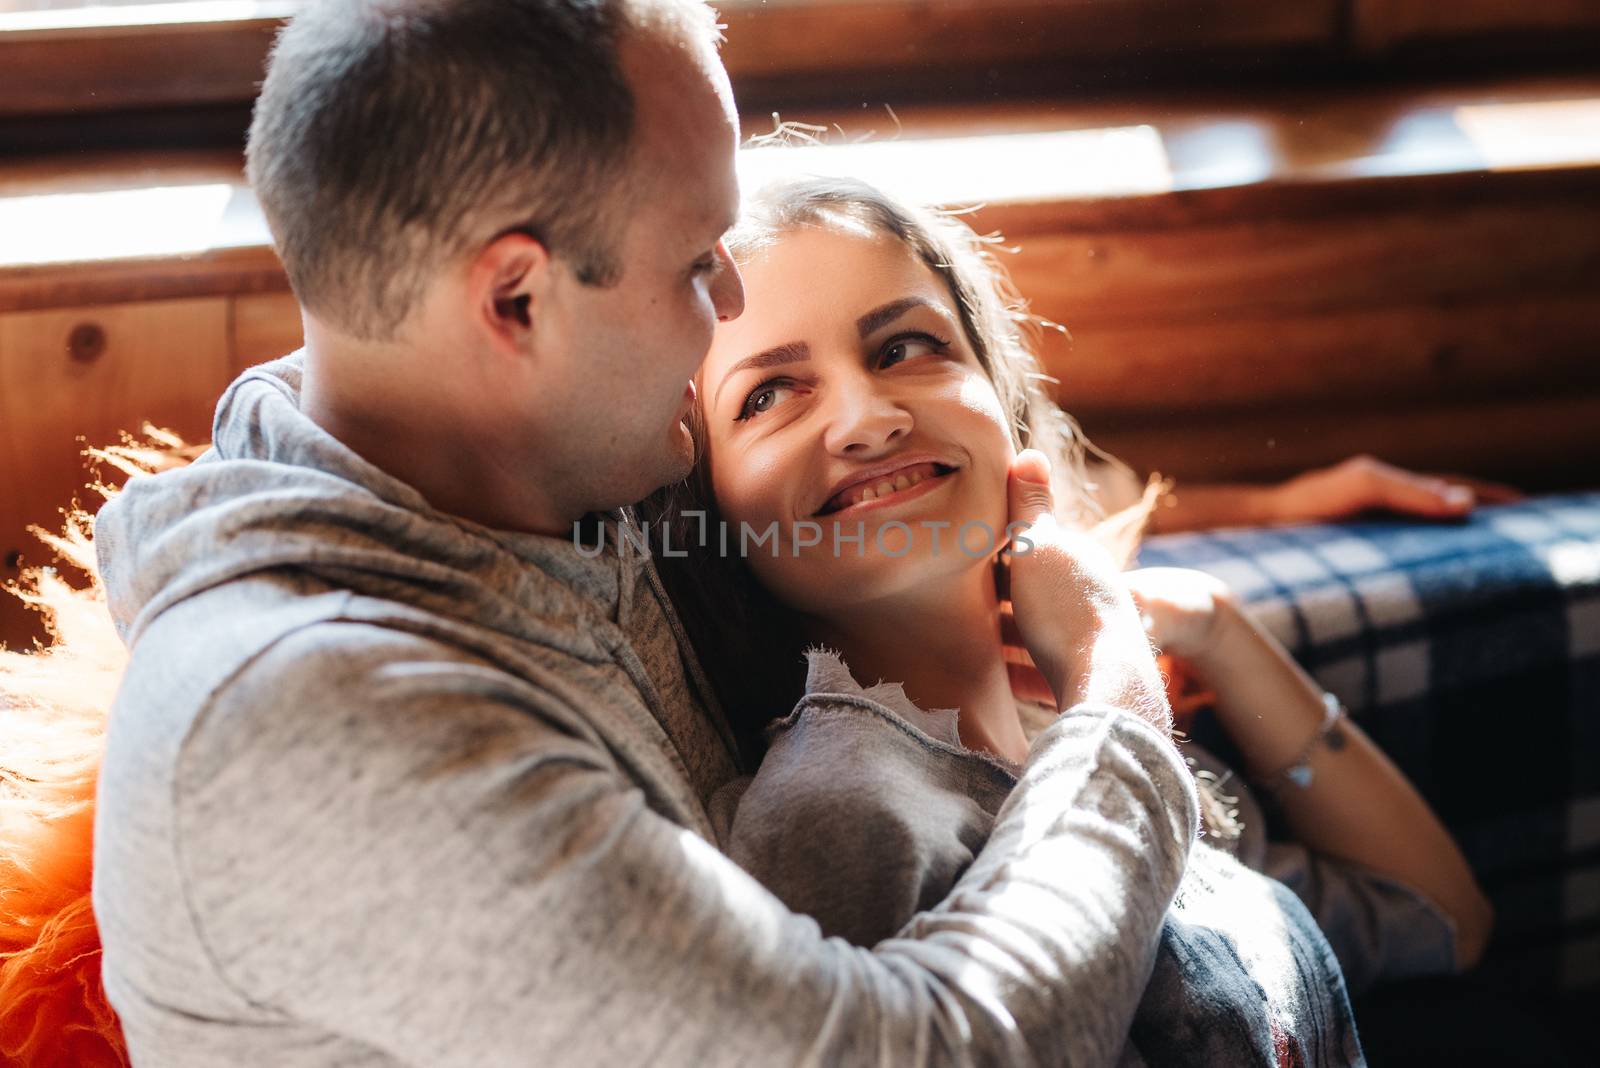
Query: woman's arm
1324, 494
1340, 491
1358, 806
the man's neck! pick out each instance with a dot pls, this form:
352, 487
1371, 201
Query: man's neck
944, 645
414, 427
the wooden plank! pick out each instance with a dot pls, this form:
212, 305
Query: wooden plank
878, 34
73, 376
1540, 444
18, 626
1378, 26
1311, 263
1499, 346
218, 272
893, 42
1356, 115
264, 326
133, 66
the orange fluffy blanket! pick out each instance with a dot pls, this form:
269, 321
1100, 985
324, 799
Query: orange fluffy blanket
53, 705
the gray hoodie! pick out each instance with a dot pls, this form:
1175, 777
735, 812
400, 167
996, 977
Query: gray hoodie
386, 787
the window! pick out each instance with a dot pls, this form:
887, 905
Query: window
71, 58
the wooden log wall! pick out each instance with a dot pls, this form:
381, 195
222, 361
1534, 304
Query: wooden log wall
1446, 321
1456, 330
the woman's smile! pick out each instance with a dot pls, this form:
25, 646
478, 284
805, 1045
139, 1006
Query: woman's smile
888, 489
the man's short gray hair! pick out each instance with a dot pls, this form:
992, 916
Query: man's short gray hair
393, 135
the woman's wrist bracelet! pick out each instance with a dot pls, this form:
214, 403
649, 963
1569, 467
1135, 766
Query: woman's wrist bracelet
1298, 772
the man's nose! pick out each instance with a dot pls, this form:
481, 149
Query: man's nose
865, 418
727, 288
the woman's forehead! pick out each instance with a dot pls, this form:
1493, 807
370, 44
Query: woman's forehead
826, 277
836, 238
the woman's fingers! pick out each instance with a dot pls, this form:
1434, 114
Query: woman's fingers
1364, 483
1071, 611
1409, 493
1487, 492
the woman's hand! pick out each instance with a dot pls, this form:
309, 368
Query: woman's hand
1363, 483
1069, 608
1181, 609
1328, 494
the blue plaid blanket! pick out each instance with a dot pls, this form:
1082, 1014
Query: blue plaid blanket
1471, 653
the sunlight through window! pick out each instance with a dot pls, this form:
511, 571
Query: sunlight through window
1523, 136
1003, 168
164, 221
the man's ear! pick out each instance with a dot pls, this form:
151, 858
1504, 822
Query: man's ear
508, 282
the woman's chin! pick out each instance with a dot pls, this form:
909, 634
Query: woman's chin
833, 587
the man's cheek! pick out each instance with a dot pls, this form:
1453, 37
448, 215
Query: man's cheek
706, 333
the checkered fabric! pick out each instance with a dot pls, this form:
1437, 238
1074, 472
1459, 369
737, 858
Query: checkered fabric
1471, 653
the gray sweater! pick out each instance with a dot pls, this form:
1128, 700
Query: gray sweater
385, 787
864, 837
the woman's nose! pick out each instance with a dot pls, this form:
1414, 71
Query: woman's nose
865, 419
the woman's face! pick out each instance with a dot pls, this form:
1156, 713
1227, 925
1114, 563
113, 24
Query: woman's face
847, 407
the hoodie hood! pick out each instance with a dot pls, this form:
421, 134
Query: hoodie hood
276, 491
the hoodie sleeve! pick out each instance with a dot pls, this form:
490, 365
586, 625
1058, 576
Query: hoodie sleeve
393, 842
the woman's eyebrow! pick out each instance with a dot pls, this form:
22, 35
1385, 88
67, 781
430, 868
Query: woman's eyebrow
888, 313
789, 352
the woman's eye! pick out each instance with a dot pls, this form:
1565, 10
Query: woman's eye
908, 348
763, 398
704, 265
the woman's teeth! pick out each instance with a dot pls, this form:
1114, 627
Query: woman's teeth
883, 487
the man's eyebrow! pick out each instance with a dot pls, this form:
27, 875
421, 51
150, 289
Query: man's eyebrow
788, 352
891, 311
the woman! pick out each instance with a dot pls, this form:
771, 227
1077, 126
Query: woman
867, 409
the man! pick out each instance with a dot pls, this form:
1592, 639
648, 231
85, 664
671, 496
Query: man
397, 775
